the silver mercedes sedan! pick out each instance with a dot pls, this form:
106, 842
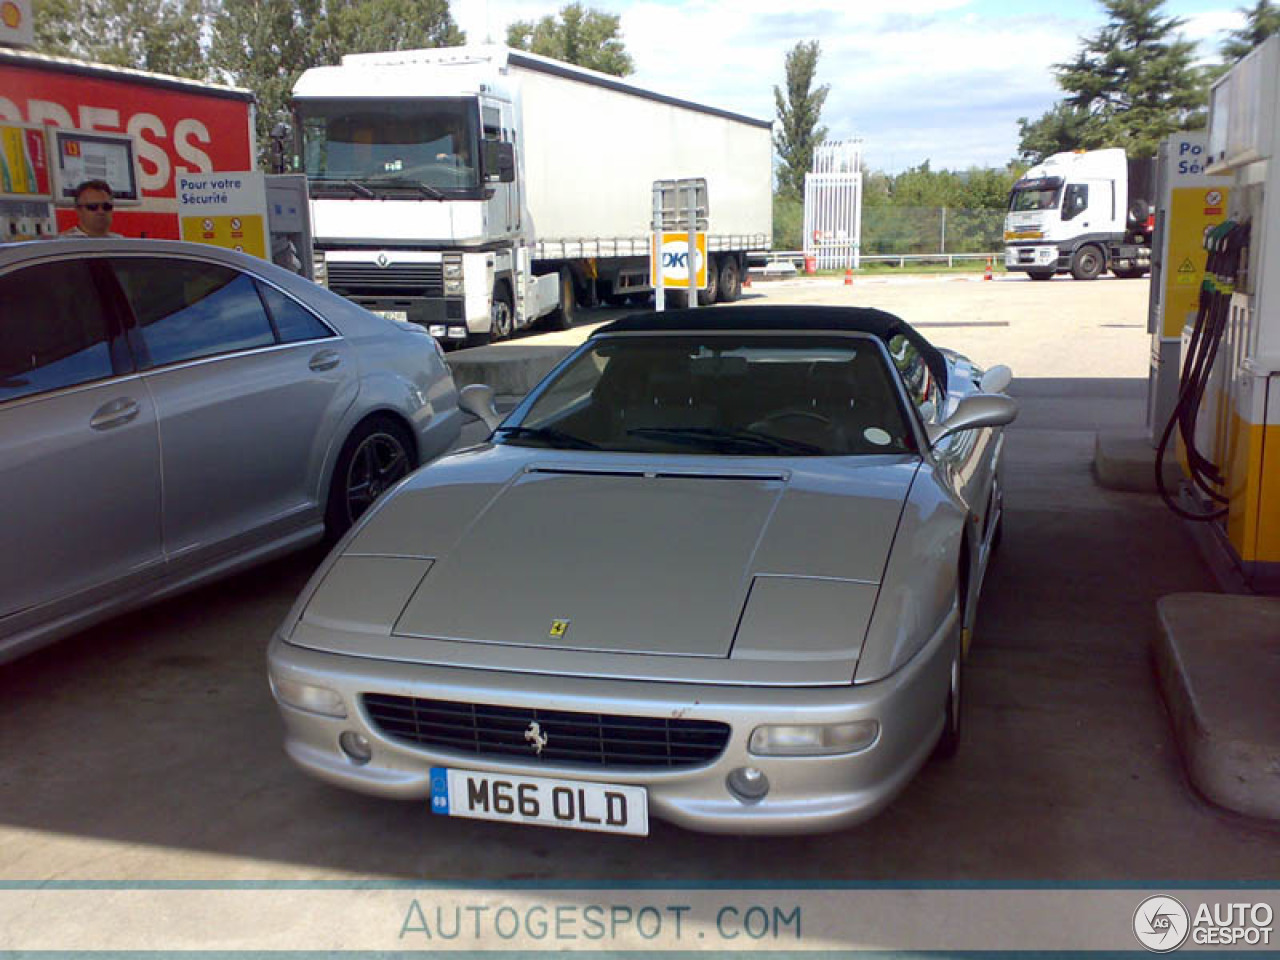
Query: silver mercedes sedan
719, 568
171, 412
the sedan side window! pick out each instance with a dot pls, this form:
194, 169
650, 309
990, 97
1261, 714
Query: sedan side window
187, 309
54, 329
294, 322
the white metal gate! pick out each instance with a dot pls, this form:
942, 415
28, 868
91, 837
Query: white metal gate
833, 205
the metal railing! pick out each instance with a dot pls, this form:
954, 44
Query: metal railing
796, 258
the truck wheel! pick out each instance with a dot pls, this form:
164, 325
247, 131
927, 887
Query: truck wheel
730, 283
1131, 273
502, 320
708, 296
1040, 274
562, 317
1088, 263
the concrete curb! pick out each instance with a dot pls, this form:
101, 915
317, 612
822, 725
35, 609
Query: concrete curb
1218, 660
511, 372
1127, 461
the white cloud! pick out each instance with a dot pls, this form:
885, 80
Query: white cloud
937, 80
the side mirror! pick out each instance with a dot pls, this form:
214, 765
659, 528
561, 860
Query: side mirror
477, 400
980, 410
499, 161
996, 380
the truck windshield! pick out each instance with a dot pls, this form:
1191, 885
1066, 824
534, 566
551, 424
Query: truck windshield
1036, 195
394, 142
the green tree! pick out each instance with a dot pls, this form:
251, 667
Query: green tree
1058, 131
799, 110
1261, 21
163, 36
1134, 81
367, 26
581, 36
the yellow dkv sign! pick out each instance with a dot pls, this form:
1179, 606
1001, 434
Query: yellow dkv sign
674, 256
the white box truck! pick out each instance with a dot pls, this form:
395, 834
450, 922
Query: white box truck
1082, 213
475, 190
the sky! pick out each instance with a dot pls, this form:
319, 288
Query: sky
915, 80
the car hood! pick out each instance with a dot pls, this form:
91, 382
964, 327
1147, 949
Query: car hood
603, 565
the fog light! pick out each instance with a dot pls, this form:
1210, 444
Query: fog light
748, 784
308, 697
457, 333
436, 329
356, 747
813, 740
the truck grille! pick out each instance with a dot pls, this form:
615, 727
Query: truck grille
393, 280
586, 739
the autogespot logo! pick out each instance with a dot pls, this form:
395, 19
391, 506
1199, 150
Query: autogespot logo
1161, 924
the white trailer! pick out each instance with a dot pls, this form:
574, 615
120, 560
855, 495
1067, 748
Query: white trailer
475, 190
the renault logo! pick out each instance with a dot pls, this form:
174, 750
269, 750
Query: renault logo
537, 739
383, 260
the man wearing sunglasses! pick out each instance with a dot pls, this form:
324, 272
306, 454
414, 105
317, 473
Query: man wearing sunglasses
94, 203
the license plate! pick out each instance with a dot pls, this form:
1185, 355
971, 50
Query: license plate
574, 804
393, 314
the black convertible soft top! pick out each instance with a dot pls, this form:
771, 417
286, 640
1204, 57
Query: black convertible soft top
877, 323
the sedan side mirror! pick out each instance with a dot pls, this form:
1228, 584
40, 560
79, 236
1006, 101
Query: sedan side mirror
979, 410
477, 400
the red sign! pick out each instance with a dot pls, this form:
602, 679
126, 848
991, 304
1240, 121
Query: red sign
179, 130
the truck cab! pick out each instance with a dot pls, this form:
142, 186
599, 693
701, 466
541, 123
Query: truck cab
416, 197
1076, 213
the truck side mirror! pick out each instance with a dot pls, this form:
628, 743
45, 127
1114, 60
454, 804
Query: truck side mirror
499, 161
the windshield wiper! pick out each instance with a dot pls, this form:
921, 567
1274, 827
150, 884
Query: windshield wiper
404, 183
551, 436
718, 436
329, 183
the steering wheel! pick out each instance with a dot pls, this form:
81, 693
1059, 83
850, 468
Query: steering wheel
791, 414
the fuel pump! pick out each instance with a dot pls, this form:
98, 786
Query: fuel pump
26, 184
1227, 415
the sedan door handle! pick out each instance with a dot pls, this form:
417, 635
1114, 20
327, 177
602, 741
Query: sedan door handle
114, 414
325, 360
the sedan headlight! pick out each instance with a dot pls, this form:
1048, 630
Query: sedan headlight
813, 740
308, 697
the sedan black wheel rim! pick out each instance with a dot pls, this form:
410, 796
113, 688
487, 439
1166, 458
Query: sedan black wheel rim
377, 463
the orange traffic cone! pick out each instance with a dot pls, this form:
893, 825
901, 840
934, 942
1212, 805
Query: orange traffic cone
848, 276
987, 274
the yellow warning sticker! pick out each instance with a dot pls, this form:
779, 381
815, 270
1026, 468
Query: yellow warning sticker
558, 629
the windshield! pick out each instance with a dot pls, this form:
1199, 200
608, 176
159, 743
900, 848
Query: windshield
729, 394
429, 142
1036, 195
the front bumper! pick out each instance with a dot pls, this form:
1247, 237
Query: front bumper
808, 794
1031, 257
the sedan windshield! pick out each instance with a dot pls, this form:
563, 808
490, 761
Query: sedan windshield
729, 394
391, 142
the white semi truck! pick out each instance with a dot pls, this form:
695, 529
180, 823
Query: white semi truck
476, 190
1082, 213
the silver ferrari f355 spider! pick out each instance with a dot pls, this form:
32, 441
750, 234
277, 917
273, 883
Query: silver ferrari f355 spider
719, 568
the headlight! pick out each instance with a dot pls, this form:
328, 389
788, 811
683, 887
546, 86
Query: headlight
308, 697
813, 740
453, 271
453, 288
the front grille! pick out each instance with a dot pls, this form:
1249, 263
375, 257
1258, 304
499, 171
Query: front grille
586, 739
395, 279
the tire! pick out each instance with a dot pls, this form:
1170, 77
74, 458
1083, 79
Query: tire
562, 317
379, 452
730, 282
953, 715
711, 294
1088, 263
1040, 274
502, 315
